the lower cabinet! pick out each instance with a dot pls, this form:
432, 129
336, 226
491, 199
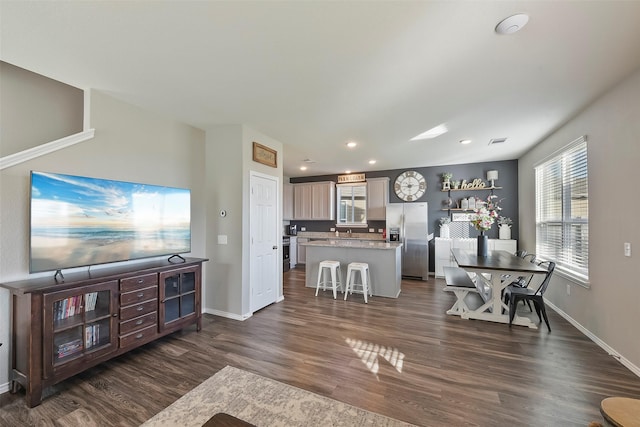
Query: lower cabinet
63, 328
444, 258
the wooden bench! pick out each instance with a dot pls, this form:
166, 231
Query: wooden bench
459, 282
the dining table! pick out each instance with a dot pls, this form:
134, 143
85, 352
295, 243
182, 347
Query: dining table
494, 273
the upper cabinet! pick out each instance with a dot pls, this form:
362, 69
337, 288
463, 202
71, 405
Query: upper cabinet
314, 201
287, 201
377, 198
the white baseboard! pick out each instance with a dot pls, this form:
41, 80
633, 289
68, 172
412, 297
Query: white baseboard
633, 368
4, 388
226, 314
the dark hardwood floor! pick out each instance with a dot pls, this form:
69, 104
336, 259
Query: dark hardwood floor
404, 358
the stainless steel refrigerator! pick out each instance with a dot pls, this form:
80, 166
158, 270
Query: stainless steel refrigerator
408, 224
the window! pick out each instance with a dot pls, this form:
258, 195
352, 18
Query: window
562, 211
352, 204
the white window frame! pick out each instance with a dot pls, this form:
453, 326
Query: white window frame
348, 188
570, 251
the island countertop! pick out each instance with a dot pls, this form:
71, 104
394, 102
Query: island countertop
341, 243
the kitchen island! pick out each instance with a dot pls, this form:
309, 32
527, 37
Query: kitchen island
384, 259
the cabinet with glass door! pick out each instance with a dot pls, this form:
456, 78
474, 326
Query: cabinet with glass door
79, 325
180, 298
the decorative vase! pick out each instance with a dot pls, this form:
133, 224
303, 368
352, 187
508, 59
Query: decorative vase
483, 245
504, 232
444, 231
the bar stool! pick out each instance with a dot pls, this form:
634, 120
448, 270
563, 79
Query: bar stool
365, 279
336, 276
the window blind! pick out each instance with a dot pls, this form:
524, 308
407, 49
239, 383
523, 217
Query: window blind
562, 210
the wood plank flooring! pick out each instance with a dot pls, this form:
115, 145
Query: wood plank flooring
404, 358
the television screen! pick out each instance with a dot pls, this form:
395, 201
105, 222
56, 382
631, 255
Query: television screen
79, 221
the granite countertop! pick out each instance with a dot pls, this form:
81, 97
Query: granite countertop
344, 243
343, 235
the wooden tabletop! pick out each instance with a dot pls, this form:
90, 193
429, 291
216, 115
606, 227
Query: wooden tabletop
497, 260
621, 411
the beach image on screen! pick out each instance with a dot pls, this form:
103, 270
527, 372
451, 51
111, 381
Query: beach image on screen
79, 221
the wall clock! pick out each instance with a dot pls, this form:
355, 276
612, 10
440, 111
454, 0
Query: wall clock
410, 186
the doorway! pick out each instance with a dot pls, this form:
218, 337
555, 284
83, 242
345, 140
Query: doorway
265, 239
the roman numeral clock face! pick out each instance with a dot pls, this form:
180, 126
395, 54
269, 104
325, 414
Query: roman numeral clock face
410, 186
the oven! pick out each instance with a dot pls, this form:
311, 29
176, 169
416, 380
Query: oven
286, 253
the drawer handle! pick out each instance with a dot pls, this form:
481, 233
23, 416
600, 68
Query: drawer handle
139, 336
140, 294
140, 280
140, 308
139, 322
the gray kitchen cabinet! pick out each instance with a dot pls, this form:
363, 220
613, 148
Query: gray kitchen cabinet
377, 198
287, 201
314, 201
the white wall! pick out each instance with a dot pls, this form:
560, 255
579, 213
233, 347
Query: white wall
229, 162
609, 308
130, 144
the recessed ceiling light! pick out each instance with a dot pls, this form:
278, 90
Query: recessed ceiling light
431, 133
465, 141
351, 144
303, 168
347, 171
512, 24
372, 162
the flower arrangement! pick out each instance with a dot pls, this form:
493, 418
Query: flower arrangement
445, 220
484, 216
504, 220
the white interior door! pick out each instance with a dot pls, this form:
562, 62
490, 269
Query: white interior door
266, 241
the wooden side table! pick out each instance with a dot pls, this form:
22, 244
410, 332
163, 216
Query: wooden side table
621, 411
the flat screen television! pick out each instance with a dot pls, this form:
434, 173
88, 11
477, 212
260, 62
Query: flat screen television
79, 221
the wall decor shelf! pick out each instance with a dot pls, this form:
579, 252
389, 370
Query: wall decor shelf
449, 201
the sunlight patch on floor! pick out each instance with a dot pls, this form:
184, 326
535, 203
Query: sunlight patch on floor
369, 354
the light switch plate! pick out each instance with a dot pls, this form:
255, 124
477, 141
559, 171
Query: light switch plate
222, 239
627, 249
371, 230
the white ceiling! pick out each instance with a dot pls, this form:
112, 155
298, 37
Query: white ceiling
316, 74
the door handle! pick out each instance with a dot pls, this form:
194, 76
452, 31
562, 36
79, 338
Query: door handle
274, 247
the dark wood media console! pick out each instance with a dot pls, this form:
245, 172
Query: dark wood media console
63, 328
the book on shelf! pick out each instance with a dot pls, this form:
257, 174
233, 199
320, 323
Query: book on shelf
68, 307
91, 335
69, 348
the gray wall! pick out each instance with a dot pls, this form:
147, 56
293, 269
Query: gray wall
607, 310
25, 123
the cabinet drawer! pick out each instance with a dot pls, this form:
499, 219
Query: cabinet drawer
138, 337
136, 323
138, 282
138, 310
139, 295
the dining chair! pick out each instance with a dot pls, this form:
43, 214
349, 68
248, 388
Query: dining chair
514, 294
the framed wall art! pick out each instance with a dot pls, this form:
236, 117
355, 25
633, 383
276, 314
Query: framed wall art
265, 155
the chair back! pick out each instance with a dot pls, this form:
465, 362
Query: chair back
520, 253
532, 257
545, 283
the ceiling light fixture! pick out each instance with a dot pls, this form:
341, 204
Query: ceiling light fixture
351, 144
465, 141
303, 168
372, 162
347, 172
512, 24
431, 133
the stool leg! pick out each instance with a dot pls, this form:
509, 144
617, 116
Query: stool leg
319, 279
346, 289
339, 278
365, 285
334, 284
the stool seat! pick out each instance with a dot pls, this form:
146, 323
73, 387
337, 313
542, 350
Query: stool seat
365, 280
333, 268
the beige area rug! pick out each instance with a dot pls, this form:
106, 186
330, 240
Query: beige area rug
262, 402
